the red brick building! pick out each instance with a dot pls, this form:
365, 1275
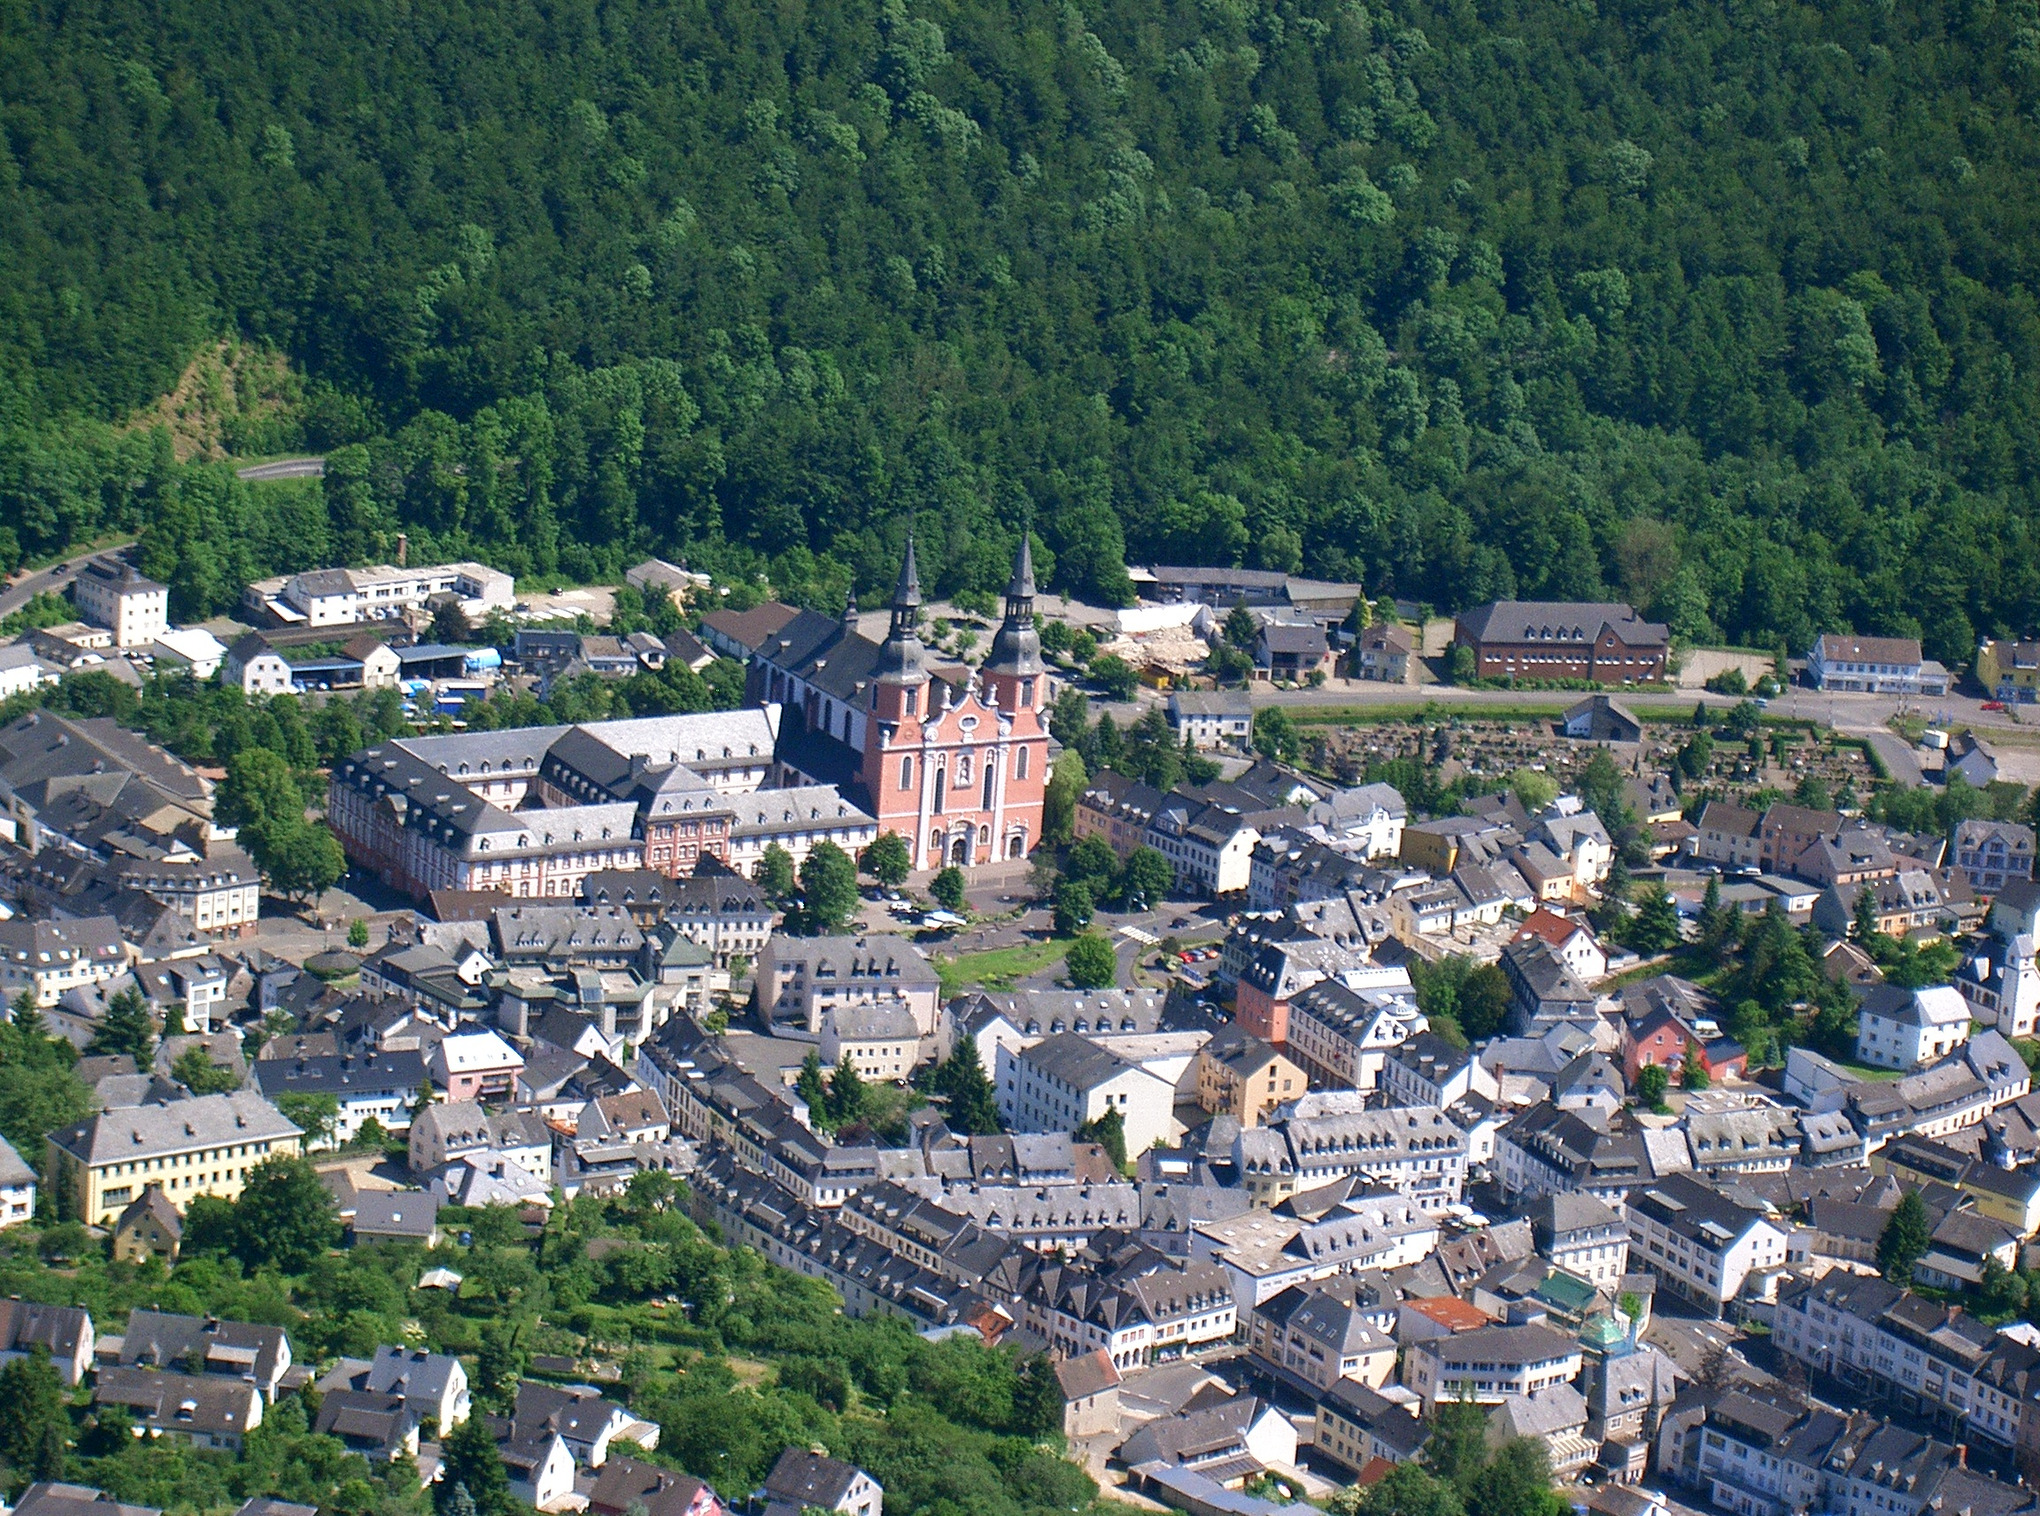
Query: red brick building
1556, 640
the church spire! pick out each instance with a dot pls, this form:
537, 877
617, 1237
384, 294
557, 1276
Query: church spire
1022, 586
1016, 650
899, 661
907, 593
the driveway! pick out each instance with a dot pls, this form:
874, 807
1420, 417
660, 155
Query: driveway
1898, 757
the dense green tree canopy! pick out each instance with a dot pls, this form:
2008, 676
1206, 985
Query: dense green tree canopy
1727, 308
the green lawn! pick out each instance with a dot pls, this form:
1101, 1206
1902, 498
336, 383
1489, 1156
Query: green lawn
1866, 1071
998, 968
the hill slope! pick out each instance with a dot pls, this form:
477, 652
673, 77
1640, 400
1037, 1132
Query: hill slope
1726, 306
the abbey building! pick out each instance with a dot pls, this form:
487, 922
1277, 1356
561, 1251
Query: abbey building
955, 760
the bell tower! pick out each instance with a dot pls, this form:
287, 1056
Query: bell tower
894, 727
1014, 674
900, 689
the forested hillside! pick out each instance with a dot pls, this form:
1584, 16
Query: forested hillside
1727, 306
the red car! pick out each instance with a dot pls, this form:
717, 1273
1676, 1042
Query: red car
1993, 705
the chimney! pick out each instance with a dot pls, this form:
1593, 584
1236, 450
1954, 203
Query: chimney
403, 548
1961, 1455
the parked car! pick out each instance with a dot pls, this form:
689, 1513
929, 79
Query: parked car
1993, 705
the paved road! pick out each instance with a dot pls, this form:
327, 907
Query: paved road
285, 468
52, 581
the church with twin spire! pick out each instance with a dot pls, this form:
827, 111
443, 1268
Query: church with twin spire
953, 759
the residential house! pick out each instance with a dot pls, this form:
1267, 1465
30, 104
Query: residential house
1241, 1076
17, 1187
1228, 1443
149, 1228
1698, 1242
1547, 1150
1209, 719
541, 1469
1320, 1333
1090, 1391
1342, 1031
1668, 1021
1068, 1081
63, 1331
1427, 1070
21, 671
800, 979
1116, 808
1758, 1139
1908, 1029
44, 1498
476, 1065
1556, 1417
1729, 835
1544, 991
452, 1131
1572, 940
581, 1417
1210, 843
1365, 819
1582, 1236
1126, 1297
1964, 1244
229, 1349
1971, 759
1385, 652
1911, 900
627, 1486
255, 668
373, 1086
2010, 670
112, 593
379, 1427
1990, 854
1360, 1428
803, 1480
202, 1410
49, 959
1279, 970
395, 1216
1331, 1135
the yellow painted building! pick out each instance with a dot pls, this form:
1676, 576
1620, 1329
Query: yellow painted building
1246, 1078
2010, 671
203, 1146
2011, 1196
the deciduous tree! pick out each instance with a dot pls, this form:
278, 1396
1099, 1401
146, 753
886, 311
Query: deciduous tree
888, 861
1091, 964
